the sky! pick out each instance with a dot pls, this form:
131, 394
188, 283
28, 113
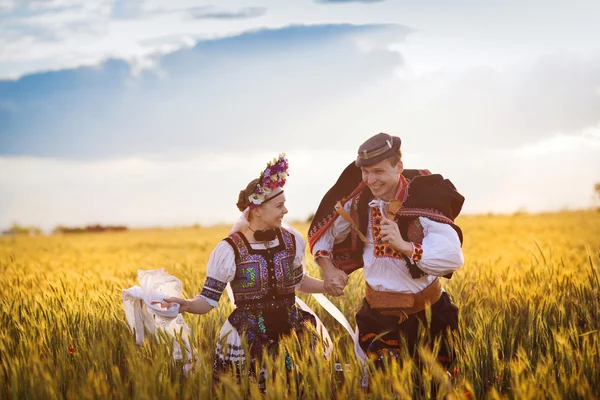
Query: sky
157, 113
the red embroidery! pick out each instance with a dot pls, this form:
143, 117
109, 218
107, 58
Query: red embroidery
323, 253
417, 252
381, 249
402, 191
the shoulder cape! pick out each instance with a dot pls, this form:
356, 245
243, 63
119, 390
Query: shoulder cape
429, 195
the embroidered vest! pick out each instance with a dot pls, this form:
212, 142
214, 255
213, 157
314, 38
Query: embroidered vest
264, 274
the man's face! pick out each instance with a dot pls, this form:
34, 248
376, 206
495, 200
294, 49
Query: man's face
382, 178
272, 212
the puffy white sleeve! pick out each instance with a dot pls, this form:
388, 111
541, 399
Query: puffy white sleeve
336, 233
221, 270
441, 251
299, 259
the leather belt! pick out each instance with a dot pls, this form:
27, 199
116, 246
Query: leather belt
401, 305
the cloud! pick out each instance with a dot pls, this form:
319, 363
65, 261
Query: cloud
588, 138
126, 9
293, 87
7, 5
349, 1
30, 8
481, 107
60, 34
48, 192
315, 92
35, 34
135, 9
210, 12
202, 187
41, 21
221, 94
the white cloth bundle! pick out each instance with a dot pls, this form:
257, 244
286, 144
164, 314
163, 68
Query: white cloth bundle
155, 286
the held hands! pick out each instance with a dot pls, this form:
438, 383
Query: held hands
390, 234
334, 281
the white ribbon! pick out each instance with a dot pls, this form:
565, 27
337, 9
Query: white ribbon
339, 317
379, 203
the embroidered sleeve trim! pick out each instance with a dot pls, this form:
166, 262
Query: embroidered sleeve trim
213, 288
324, 254
417, 252
298, 276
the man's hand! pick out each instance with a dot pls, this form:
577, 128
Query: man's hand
390, 234
334, 280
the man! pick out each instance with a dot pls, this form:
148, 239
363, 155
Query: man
398, 226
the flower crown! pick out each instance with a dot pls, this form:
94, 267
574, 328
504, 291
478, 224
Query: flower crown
271, 178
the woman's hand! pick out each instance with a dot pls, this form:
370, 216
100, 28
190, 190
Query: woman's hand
184, 304
197, 306
334, 280
311, 285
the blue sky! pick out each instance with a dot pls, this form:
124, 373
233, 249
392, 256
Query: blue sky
156, 113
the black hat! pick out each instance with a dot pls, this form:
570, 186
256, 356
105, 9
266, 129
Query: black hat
377, 148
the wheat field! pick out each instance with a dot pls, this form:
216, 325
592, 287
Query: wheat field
529, 299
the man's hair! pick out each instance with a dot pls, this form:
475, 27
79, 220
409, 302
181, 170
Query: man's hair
395, 159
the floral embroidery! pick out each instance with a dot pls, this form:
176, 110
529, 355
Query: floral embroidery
381, 249
417, 252
213, 288
324, 254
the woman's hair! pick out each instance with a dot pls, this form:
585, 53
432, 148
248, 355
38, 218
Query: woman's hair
243, 201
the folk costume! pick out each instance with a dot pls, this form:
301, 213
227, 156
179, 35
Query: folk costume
346, 229
263, 278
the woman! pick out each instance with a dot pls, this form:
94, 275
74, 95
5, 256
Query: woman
264, 264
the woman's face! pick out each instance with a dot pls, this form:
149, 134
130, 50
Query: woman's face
271, 213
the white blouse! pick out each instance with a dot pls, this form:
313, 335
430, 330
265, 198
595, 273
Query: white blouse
442, 254
221, 263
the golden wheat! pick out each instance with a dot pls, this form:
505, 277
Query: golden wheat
529, 298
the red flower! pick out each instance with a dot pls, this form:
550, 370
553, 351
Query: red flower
72, 350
